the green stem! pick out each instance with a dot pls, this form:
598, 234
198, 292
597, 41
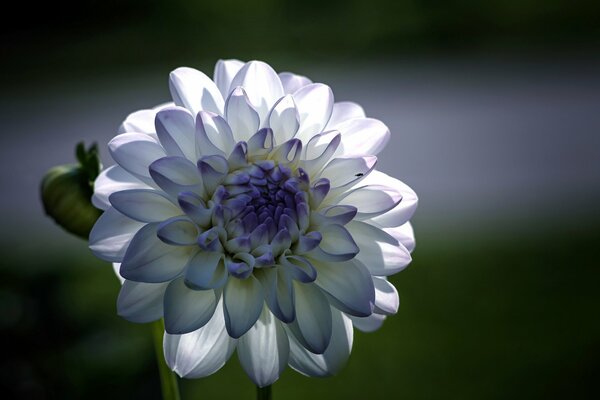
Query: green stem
264, 393
168, 380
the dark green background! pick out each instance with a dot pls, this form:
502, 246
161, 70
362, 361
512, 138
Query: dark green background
75, 37
496, 308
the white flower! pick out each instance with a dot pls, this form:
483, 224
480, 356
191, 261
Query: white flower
249, 214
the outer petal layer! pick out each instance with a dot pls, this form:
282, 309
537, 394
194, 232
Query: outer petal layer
243, 303
111, 235
379, 252
333, 359
202, 352
141, 302
113, 179
187, 310
264, 350
195, 91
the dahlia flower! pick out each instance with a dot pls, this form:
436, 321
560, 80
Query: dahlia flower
248, 214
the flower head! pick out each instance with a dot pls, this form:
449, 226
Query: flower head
249, 215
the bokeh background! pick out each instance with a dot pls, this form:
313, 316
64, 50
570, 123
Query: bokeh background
494, 109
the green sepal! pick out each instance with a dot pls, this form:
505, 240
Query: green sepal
67, 192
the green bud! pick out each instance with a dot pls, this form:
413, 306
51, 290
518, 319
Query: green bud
67, 192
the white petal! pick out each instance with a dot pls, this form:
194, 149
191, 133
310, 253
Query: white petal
135, 152
116, 268
333, 359
142, 121
175, 128
369, 200
344, 171
343, 111
213, 135
284, 119
195, 91
175, 175
261, 84
403, 234
148, 259
337, 244
386, 296
292, 82
312, 326
362, 136
379, 252
400, 214
202, 352
111, 235
349, 285
144, 205
243, 302
264, 350
225, 71
185, 309
241, 116
314, 103
141, 302
368, 324
113, 179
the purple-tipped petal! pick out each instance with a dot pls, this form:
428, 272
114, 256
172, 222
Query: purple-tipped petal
318, 192
195, 208
287, 223
281, 242
213, 170
206, 270
299, 268
178, 231
175, 175
308, 242
261, 142
210, 240
288, 152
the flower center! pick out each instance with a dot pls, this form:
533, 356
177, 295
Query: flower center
256, 212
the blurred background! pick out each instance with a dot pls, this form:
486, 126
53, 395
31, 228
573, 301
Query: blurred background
494, 109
